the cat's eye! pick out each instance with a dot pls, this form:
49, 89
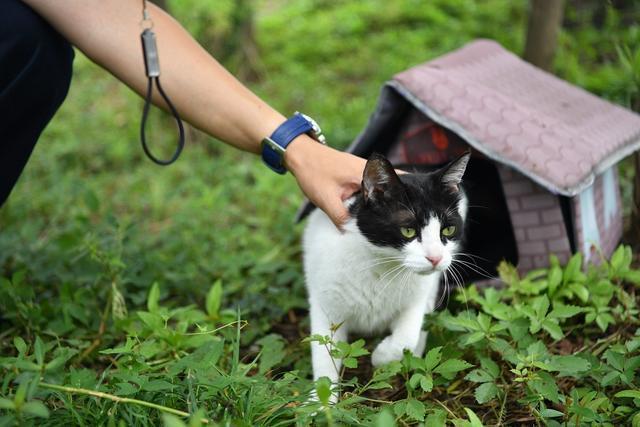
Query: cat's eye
449, 231
407, 232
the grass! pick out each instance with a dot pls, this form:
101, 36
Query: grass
130, 292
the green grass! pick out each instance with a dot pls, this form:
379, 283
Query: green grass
109, 262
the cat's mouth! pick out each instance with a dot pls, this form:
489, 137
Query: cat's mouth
422, 270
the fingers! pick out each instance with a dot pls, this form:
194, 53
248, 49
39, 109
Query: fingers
337, 213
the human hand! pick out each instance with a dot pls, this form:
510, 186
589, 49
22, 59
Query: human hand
326, 176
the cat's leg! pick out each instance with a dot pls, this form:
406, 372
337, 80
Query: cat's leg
406, 333
323, 364
422, 344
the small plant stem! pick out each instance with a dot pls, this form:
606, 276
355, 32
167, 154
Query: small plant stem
101, 329
445, 408
102, 395
504, 403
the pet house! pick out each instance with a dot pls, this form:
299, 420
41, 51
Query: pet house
543, 176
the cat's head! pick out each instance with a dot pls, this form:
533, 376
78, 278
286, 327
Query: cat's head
418, 218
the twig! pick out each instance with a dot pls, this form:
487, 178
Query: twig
101, 329
99, 394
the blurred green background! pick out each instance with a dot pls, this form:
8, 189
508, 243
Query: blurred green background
90, 209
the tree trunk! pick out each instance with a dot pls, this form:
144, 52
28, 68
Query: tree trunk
241, 48
545, 20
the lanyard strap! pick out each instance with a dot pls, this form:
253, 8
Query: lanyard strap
152, 70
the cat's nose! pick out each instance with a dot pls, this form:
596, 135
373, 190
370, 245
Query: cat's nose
434, 260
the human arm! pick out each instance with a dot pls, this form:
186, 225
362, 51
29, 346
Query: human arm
205, 94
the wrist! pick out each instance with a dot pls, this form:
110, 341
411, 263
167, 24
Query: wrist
298, 151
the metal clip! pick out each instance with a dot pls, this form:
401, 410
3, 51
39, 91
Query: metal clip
150, 52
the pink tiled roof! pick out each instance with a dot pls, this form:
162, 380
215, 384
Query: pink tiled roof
556, 134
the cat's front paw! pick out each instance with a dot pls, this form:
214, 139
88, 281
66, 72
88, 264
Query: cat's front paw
387, 351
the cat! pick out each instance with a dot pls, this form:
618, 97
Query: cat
382, 272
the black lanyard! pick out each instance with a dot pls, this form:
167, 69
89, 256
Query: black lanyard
152, 69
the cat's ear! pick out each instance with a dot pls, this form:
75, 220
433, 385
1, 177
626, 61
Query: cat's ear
379, 178
451, 174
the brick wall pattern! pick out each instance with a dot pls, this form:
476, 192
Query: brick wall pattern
537, 221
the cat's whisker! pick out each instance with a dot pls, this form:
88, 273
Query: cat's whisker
474, 267
379, 263
472, 256
446, 290
399, 270
460, 284
388, 273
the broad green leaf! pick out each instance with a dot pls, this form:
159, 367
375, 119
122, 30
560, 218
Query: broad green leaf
486, 392
195, 420
619, 260
126, 348
379, 385
508, 274
471, 338
479, 376
633, 276
432, 358
350, 362
473, 418
154, 297
610, 378
541, 306
323, 389
450, 367
214, 299
572, 270
518, 328
357, 349
36, 408
6, 404
272, 352
568, 364
551, 413
415, 380
426, 383
437, 418
39, 351
603, 320
634, 394
553, 328
21, 394
170, 420
546, 386
484, 321
490, 366
400, 407
21, 346
385, 419
614, 359
554, 278
56, 363
125, 389
415, 409
152, 320
565, 311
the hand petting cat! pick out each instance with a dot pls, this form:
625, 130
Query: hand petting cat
326, 176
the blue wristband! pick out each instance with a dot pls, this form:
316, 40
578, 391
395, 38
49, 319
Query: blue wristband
274, 147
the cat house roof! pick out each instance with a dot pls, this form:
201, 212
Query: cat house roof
557, 134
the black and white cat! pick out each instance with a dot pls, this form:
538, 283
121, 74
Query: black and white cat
383, 272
